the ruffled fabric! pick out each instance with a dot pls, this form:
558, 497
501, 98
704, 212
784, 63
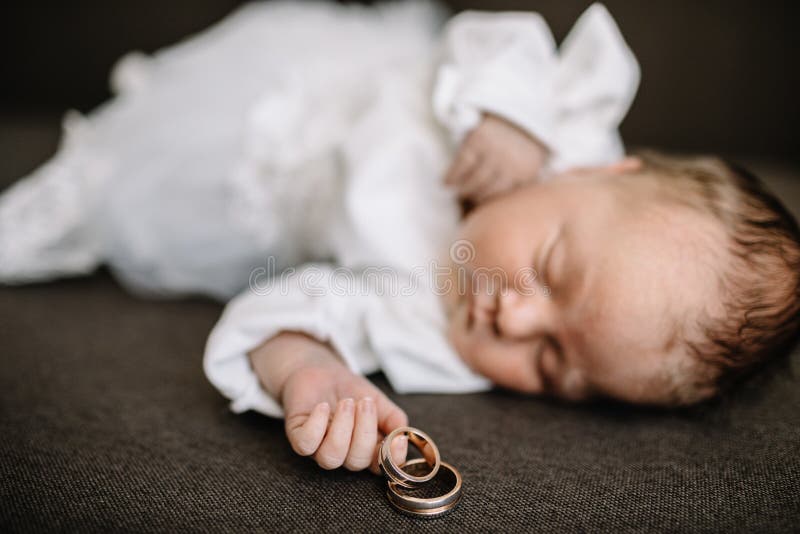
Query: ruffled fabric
572, 99
290, 161
596, 81
132, 73
216, 153
45, 225
501, 63
300, 130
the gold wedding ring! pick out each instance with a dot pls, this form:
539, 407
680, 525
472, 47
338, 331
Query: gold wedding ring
430, 455
426, 507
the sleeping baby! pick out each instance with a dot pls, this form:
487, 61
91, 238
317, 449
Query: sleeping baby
448, 203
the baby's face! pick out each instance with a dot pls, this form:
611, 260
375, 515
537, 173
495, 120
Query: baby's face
617, 276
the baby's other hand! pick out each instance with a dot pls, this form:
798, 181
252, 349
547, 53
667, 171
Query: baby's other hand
494, 158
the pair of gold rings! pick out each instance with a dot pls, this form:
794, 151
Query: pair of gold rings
407, 490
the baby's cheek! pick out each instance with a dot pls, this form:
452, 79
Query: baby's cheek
507, 367
457, 334
467, 346
504, 365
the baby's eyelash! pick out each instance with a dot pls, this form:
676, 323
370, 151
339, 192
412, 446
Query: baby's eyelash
547, 383
544, 266
557, 348
550, 348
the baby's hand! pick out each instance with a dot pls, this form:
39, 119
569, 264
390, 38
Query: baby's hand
494, 158
335, 416
339, 418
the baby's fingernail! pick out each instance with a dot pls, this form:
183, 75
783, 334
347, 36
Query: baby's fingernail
324, 406
348, 405
367, 405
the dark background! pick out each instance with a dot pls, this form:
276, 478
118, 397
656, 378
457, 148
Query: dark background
718, 76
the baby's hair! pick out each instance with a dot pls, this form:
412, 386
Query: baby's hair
760, 286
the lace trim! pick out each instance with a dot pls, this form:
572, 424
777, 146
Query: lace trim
132, 73
290, 162
43, 217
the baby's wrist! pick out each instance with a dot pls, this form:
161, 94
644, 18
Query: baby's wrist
275, 360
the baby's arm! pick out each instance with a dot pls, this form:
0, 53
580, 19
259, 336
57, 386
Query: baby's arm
493, 94
519, 108
331, 413
298, 344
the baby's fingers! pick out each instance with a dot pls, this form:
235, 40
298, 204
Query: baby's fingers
500, 184
305, 432
465, 162
398, 449
365, 433
390, 416
478, 180
333, 451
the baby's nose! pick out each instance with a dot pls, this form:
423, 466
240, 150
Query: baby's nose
519, 316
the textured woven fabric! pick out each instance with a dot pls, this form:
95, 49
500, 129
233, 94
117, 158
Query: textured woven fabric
108, 424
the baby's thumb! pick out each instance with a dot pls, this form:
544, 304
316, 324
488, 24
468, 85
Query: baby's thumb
398, 449
305, 432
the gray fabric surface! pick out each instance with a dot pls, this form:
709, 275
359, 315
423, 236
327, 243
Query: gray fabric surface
108, 424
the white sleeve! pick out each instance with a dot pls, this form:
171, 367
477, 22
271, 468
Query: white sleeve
407, 330
571, 99
501, 63
304, 300
375, 318
595, 83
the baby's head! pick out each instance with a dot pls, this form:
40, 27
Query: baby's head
658, 280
